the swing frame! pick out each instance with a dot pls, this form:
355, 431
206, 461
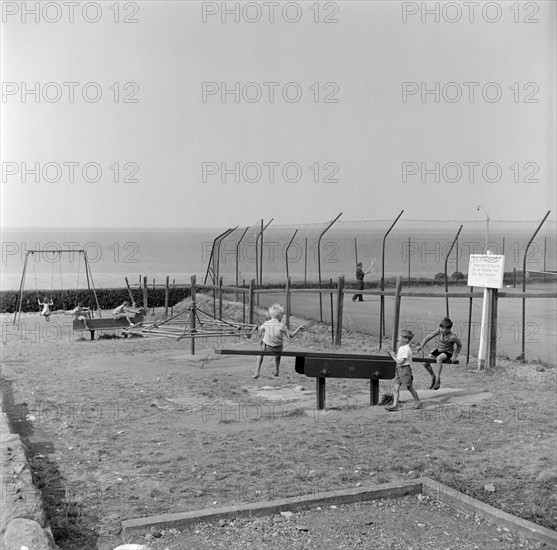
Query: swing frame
88, 273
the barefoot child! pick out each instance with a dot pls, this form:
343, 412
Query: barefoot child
80, 313
403, 376
448, 348
125, 311
273, 332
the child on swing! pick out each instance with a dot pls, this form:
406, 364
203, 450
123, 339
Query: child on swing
448, 348
273, 332
46, 307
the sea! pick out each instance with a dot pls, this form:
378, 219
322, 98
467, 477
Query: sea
307, 253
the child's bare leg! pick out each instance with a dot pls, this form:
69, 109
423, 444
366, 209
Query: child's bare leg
431, 372
258, 366
396, 395
414, 395
277, 365
440, 358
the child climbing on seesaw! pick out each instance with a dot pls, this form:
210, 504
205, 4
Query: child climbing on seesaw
403, 377
448, 348
125, 311
273, 332
80, 314
46, 307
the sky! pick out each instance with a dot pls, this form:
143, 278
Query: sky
217, 114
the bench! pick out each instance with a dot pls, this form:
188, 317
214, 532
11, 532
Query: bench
323, 365
105, 323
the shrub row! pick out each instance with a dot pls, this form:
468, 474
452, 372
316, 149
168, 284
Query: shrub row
108, 298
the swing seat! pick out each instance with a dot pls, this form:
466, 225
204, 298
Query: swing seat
108, 323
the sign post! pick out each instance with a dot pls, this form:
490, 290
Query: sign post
487, 270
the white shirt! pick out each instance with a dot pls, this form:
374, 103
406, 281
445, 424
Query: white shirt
404, 356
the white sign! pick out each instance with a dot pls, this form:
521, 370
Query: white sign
486, 270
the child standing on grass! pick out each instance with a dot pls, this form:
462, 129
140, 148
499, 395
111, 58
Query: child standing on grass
404, 376
448, 348
273, 332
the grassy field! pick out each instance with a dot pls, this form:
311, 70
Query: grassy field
124, 428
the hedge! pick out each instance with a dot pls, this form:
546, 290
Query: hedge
108, 298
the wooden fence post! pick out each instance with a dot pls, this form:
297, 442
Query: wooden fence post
145, 304
154, 295
251, 300
220, 297
493, 329
243, 302
130, 293
288, 302
340, 306
332, 314
397, 313
166, 291
192, 314
173, 296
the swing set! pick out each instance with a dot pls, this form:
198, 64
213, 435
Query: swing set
57, 258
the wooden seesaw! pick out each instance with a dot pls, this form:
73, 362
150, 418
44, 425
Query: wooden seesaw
323, 365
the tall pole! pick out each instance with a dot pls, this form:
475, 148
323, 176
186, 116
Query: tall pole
446, 274
286, 252
21, 287
382, 308
523, 352
482, 352
238, 255
487, 220
319, 263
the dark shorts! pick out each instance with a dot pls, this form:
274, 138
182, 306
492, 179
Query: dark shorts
404, 376
436, 353
274, 349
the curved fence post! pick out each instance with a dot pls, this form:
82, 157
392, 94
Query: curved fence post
319, 264
446, 274
382, 308
522, 356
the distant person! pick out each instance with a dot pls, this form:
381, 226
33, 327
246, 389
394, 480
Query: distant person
125, 311
404, 376
448, 348
80, 314
46, 307
274, 331
360, 274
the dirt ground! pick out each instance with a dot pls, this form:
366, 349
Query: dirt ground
127, 428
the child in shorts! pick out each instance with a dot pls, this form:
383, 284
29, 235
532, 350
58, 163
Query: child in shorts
274, 331
80, 313
448, 348
404, 375
125, 312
